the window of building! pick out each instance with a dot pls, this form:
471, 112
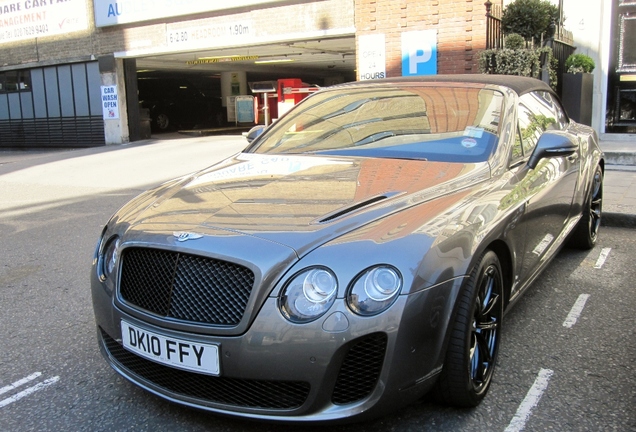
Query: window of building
15, 81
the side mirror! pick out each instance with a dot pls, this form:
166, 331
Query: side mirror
254, 133
552, 144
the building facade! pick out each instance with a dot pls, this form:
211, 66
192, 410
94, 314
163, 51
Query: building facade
69, 69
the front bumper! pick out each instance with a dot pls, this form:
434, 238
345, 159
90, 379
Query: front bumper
281, 371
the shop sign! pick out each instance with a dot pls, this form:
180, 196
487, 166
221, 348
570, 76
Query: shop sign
110, 103
419, 53
371, 57
113, 12
28, 19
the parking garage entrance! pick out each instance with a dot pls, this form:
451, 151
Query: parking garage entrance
197, 92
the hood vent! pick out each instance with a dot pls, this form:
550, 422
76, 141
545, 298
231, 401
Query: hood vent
353, 208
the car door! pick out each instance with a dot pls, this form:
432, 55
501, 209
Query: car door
548, 188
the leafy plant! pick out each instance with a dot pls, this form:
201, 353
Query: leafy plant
579, 63
529, 18
523, 62
514, 41
553, 65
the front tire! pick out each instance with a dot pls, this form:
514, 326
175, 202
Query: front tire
474, 344
585, 234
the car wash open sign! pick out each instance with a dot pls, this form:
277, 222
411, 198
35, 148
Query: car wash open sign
110, 102
110, 12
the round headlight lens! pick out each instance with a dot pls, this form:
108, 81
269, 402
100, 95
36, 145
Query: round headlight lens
374, 290
309, 295
109, 257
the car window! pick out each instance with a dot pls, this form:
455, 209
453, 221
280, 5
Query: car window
536, 114
551, 107
517, 148
545, 106
452, 124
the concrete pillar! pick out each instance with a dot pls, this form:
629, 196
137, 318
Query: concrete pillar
233, 84
112, 74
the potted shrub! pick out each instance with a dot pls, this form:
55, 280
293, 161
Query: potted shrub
579, 63
578, 88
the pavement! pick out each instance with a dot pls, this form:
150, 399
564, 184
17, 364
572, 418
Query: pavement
187, 153
619, 191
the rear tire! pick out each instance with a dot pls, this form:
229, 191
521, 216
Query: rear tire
585, 234
474, 343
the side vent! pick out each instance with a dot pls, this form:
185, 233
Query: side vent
352, 208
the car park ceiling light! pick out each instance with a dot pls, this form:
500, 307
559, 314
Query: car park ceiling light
283, 60
222, 59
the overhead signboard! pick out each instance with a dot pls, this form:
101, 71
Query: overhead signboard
111, 12
371, 57
419, 53
28, 19
179, 35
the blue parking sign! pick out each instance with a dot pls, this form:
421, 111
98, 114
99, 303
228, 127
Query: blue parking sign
419, 53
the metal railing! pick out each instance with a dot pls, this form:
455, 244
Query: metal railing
494, 35
562, 46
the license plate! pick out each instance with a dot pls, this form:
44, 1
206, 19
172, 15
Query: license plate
178, 353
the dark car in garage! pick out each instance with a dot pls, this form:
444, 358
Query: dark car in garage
176, 103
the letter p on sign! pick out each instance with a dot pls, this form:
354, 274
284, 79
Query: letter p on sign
419, 53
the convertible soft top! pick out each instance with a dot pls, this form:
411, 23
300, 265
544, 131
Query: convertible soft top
518, 84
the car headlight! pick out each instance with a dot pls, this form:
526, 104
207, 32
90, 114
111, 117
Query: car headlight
308, 295
108, 258
374, 290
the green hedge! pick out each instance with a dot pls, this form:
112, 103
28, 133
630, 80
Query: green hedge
523, 62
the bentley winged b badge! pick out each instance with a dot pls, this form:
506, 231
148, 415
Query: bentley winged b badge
184, 236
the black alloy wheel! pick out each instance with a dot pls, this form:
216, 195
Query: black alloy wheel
474, 344
585, 234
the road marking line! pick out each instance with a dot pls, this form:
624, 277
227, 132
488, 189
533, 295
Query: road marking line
28, 391
531, 400
602, 257
576, 311
20, 382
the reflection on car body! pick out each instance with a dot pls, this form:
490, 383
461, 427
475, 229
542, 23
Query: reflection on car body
359, 253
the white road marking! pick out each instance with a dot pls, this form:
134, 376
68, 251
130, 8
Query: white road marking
20, 382
531, 400
28, 391
576, 310
602, 257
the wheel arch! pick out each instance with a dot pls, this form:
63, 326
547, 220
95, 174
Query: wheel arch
501, 249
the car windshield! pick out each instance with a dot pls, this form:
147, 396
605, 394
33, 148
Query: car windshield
450, 124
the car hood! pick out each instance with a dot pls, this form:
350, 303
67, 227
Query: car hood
298, 201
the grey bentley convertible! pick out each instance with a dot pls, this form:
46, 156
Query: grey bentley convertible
361, 252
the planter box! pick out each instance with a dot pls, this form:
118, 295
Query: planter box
576, 96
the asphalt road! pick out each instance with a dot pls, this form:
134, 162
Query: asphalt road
567, 359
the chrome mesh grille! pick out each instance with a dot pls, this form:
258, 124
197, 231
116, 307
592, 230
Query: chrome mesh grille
360, 369
274, 395
186, 287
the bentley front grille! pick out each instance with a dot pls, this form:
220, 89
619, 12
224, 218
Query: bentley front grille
274, 395
185, 287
